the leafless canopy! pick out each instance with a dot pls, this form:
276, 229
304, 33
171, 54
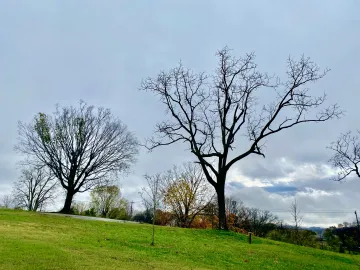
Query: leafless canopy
186, 192
35, 188
7, 201
104, 199
347, 155
151, 194
80, 146
209, 112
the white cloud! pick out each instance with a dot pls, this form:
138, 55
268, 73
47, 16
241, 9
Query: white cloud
311, 192
323, 202
290, 171
235, 175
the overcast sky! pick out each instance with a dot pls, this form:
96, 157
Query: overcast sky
99, 51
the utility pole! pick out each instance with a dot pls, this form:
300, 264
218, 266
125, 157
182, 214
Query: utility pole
358, 231
233, 207
131, 208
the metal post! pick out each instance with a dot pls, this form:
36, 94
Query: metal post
131, 208
358, 230
250, 237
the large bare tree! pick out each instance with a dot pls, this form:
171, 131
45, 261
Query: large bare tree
347, 155
186, 192
35, 188
208, 113
81, 146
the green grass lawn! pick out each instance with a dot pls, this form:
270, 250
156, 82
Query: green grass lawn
38, 241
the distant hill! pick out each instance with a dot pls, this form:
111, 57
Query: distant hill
318, 230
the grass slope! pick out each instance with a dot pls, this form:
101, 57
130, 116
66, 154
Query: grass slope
38, 241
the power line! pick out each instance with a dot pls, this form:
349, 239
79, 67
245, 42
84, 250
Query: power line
314, 211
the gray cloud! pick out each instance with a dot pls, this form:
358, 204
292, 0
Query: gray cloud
61, 52
270, 168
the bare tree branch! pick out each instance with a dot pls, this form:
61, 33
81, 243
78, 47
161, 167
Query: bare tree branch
347, 155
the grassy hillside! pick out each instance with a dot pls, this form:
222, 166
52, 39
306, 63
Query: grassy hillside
38, 241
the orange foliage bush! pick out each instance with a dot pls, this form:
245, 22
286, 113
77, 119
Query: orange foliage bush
201, 222
163, 218
239, 230
231, 224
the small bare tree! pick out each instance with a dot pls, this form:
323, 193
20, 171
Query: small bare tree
7, 201
104, 199
209, 113
151, 196
260, 220
81, 146
35, 188
347, 155
186, 192
297, 219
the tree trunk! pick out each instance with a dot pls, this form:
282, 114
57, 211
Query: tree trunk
220, 190
153, 226
68, 201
